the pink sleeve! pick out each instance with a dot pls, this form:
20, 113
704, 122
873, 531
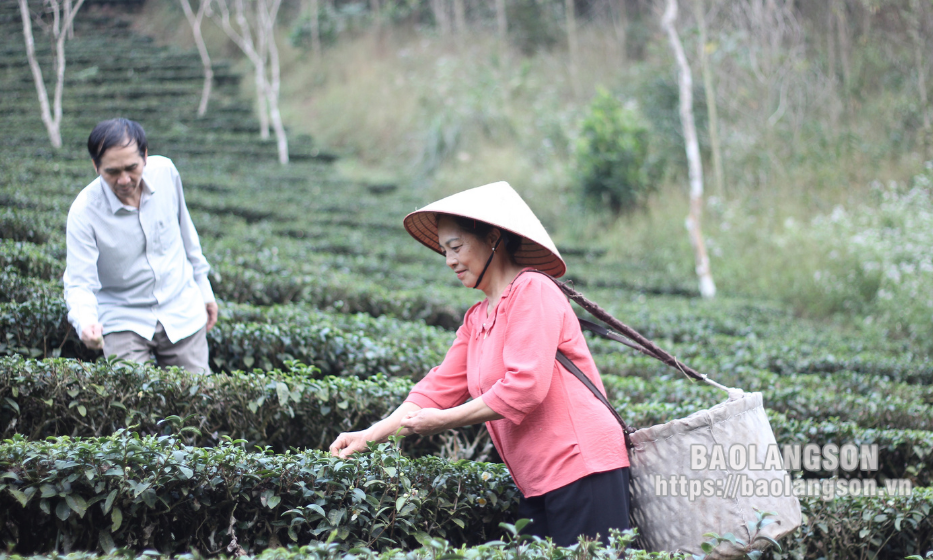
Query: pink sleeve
445, 386
535, 318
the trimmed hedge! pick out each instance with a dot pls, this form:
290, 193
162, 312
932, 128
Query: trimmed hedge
30, 260
278, 409
274, 283
30, 225
154, 492
432, 548
880, 527
354, 345
351, 345
18, 288
869, 402
290, 409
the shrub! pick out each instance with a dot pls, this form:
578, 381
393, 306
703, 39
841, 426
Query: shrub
149, 492
533, 25
432, 548
611, 155
878, 259
278, 409
355, 345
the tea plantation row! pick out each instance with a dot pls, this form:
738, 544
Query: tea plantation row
153, 492
284, 410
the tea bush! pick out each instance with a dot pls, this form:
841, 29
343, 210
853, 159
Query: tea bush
154, 492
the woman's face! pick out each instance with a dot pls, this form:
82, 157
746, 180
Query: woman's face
466, 254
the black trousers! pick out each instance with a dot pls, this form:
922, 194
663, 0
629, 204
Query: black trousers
589, 506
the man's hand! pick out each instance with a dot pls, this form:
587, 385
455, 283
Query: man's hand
427, 421
93, 336
212, 311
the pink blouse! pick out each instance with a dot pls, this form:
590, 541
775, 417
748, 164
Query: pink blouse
554, 430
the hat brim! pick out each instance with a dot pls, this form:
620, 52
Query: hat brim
422, 225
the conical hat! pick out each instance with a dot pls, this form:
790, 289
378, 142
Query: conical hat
499, 205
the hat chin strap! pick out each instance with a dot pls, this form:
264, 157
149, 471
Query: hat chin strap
488, 262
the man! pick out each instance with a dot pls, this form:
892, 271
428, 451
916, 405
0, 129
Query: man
135, 280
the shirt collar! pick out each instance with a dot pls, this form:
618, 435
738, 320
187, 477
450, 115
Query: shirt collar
490, 322
115, 203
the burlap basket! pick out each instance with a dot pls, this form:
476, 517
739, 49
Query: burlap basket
677, 523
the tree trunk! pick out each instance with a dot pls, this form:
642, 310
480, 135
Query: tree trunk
62, 23
570, 13
710, 91
620, 24
70, 29
270, 10
45, 111
842, 31
917, 35
195, 21
439, 8
460, 26
502, 22
244, 40
316, 28
695, 165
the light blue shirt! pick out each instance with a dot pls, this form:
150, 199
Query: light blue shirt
129, 268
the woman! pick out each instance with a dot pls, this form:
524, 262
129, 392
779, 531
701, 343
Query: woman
563, 448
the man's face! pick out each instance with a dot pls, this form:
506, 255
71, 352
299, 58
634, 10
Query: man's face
122, 170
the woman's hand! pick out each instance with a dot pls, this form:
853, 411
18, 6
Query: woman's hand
349, 443
427, 421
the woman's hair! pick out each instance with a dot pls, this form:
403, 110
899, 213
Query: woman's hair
481, 230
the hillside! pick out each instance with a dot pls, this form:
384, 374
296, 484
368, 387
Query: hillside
329, 312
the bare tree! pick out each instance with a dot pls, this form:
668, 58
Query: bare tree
572, 44
441, 16
264, 56
313, 8
61, 23
460, 18
195, 21
620, 24
918, 38
695, 165
502, 22
710, 91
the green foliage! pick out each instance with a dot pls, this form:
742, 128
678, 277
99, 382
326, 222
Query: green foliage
329, 27
533, 25
30, 260
156, 493
278, 409
611, 154
869, 403
658, 97
754, 548
29, 225
354, 345
862, 527
18, 288
432, 548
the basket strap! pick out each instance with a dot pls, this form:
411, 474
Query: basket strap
634, 339
572, 368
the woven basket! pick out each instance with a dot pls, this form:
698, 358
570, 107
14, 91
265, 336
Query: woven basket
677, 523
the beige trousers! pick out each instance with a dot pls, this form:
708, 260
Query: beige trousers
189, 353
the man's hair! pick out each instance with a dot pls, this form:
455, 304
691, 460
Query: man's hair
115, 132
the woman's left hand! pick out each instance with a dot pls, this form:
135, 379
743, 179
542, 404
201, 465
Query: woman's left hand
427, 421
